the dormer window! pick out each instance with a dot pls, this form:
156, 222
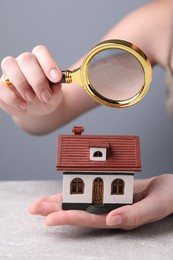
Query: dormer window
98, 150
97, 154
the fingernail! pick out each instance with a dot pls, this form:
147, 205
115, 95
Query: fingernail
55, 75
29, 95
22, 105
115, 221
46, 96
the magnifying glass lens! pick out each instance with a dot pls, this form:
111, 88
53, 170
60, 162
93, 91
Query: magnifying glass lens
115, 74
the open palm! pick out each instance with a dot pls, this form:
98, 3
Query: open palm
153, 200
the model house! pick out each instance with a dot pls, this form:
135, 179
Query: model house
98, 171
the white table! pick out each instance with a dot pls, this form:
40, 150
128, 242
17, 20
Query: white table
23, 236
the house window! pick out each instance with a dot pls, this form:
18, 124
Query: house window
117, 187
98, 154
77, 186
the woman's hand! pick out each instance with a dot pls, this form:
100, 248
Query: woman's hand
35, 89
153, 200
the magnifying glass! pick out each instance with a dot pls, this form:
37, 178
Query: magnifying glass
115, 73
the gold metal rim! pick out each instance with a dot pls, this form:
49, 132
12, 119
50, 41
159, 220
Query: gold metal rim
130, 48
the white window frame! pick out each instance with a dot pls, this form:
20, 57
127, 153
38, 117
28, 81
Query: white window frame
98, 149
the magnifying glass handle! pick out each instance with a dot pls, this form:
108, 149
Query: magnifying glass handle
66, 76
69, 76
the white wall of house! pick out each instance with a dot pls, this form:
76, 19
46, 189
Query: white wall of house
127, 197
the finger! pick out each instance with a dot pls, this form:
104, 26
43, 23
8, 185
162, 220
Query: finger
35, 76
10, 99
46, 205
76, 218
44, 208
12, 71
47, 63
57, 198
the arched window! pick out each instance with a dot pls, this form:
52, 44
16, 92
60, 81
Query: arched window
117, 187
77, 186
98, 154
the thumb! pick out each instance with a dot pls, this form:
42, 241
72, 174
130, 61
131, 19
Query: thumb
132, 216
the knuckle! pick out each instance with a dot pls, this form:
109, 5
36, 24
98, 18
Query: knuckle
133, 219
138, 219
7, 61
38, 48
41, 81
21, 82
12, 98
25, 57
40, 199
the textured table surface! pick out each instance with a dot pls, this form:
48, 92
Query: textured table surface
23, 236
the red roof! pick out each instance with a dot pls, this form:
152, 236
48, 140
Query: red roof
123, 153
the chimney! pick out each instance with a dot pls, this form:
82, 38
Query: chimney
78, 130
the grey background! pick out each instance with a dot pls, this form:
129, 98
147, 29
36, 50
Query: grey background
70, 29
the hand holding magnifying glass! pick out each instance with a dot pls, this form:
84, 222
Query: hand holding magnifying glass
115, 73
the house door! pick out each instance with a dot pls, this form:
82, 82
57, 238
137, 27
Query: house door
97, 196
